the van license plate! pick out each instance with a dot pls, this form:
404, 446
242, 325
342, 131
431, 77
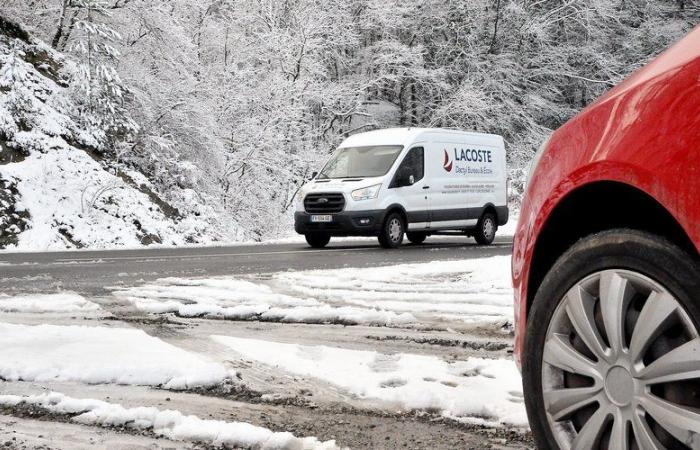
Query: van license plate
325, 218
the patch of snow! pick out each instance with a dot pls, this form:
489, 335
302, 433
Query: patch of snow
169, 423
99, 355
473, 291
509, 228
474, 388
46, 303
236, 299
470, 290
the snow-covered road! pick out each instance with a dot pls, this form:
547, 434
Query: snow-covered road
400, 356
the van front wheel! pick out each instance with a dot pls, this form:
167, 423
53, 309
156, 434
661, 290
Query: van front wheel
317, 240
486, 228
391, 235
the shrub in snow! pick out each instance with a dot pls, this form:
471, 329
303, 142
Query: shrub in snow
14, 218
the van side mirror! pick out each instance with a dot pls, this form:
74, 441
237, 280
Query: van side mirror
404, 177
313, 175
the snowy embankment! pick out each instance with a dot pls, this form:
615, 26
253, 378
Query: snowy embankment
168, 423
101, 355
57, 188
469, 291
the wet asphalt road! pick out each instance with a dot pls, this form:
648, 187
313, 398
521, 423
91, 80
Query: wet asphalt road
91, 272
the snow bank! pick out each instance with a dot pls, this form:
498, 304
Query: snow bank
49, 303
169, 423
477, 388
470, 290
62, 195
473, 291
237, 299
101, 355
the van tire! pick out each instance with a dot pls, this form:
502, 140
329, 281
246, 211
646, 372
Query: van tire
486, 229
317, 240
416, 237
393, 229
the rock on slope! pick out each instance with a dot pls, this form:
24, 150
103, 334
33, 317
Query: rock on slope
56, 190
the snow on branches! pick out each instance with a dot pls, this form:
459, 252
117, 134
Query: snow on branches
100, 90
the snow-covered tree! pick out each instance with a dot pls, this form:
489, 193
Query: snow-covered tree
100, 91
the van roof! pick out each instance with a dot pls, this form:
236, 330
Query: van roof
407, 136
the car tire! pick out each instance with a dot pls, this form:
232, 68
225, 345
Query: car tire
393, 229
627, 266
416, 237
486, 228
317, 240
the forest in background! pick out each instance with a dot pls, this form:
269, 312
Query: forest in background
238, 101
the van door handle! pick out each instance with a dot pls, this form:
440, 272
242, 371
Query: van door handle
426, 187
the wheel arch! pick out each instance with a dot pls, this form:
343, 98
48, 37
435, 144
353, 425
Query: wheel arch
489, 208
596, 207
396, 207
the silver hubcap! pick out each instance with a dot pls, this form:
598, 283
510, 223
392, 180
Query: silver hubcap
489, 228
395, 230
621, 367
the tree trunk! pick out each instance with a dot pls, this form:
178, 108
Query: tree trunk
492, 48
61, 20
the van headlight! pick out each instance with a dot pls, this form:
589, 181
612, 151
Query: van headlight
366, 193
300, 195
535, 161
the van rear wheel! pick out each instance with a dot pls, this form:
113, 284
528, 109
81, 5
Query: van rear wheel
317, 240
391, 235
486, 228
416, 237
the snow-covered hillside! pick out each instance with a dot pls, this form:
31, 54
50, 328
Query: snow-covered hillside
241, 100
57, 190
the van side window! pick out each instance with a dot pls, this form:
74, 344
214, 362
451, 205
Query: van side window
412, 164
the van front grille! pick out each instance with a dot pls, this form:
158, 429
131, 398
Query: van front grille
324, 203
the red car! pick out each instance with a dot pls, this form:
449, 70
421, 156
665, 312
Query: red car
606, 268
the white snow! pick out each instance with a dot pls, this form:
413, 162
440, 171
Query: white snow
473, 291
470, 290
169, 423
46, 303
473, 389
237, 299
69, 194
509, 228
101, 355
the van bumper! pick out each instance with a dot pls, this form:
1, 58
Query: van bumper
346, 223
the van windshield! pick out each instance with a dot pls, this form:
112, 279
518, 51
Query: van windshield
360, 162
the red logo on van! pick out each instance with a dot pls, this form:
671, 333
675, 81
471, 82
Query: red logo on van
447, 164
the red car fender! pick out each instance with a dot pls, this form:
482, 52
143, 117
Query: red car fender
623, 137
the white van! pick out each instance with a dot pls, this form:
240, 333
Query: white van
407, 180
